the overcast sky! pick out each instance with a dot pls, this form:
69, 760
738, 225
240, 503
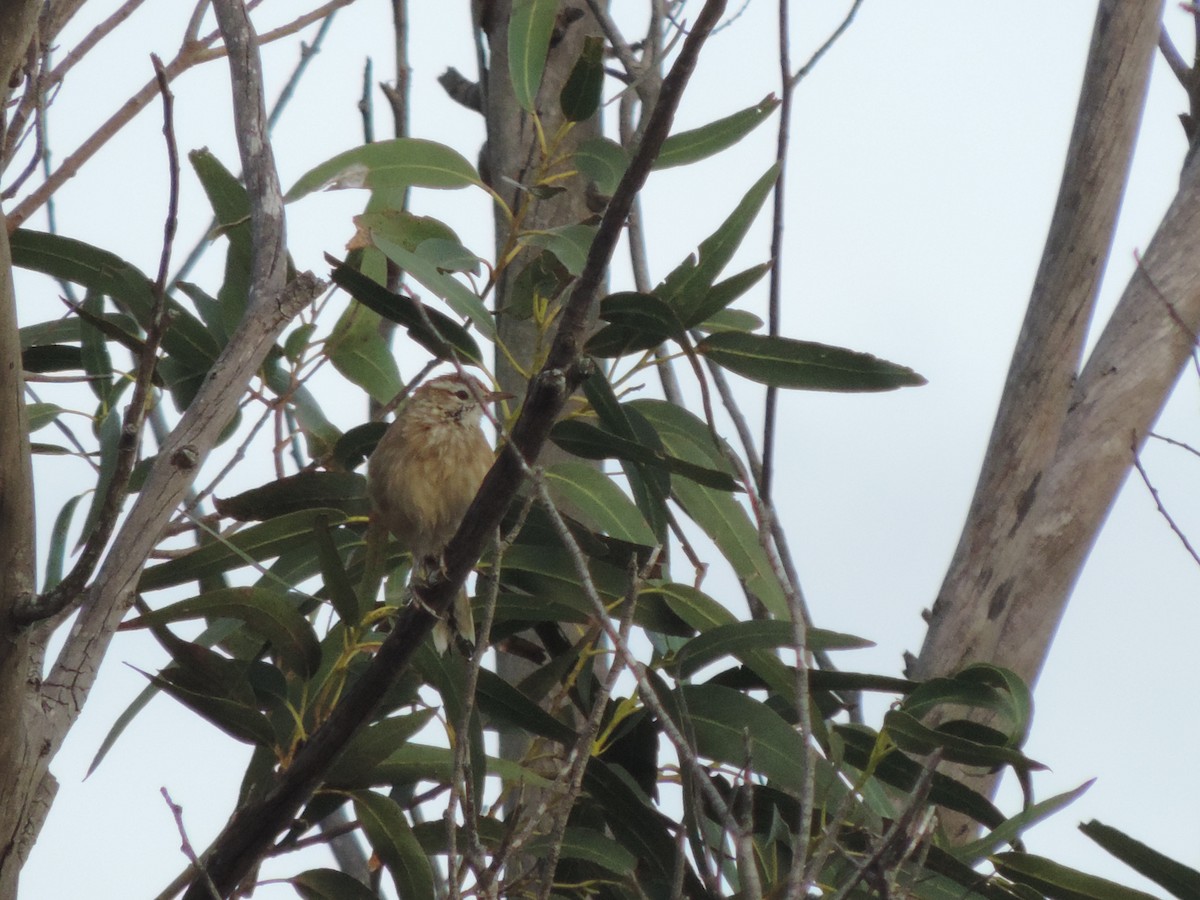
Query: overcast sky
927, 149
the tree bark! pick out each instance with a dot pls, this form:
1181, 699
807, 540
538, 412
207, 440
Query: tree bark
508, 159
26, 791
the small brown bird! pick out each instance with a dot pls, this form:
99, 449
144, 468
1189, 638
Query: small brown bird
426, 471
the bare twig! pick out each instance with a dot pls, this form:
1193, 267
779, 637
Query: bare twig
185, 845
646, 691
581, 753
190, 55
1137, 462
820, 52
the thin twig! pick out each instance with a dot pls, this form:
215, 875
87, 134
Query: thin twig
581, 753
645, 688
190, 55
307, 52
1137, 462
185, 845
807, 68
70, 589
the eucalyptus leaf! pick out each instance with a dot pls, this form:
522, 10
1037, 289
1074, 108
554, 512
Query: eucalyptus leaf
593, 498
392, 839
529, 27
389, 165
805, 365
580, 96
358, 350
699, 143
267, 613
1180, 880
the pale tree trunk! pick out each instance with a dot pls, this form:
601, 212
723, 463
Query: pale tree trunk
26, 787
1063, 445
509, 158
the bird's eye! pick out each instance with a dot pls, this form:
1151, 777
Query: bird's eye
461, 394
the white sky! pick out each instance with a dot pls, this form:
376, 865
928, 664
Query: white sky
927, 149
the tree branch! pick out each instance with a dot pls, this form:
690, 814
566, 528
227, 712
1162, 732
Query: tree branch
69, 589
271, 305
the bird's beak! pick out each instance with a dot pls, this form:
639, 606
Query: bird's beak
493, 396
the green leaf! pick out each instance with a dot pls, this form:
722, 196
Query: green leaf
231, 209
550, 570
1174, 877
343, 491
721, 294
541, 281
256, 543
191, 349
507, 706
730, 320
589, 441
94, 351
592, 497
357, 765
358, 350
720, 516
726, 722
39, 415
699, 143
330, 884
981, 686
897, 770
529, 29
238, 720
603, 161
580, 97
266, 613
805, 365
1059, 882
568, 243
418, 762
636, 322
687, 287
58, 543
389, 165
356, 445
110, 436
320, 434
736, 638
636, 824
392, 839
445, 338
338, 585
457, 295
51, 358
1011, 829
589, 845
914, 737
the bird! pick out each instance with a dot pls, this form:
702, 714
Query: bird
426, 470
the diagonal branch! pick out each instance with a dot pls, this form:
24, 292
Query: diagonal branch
69, 589
272, 304
253, 826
